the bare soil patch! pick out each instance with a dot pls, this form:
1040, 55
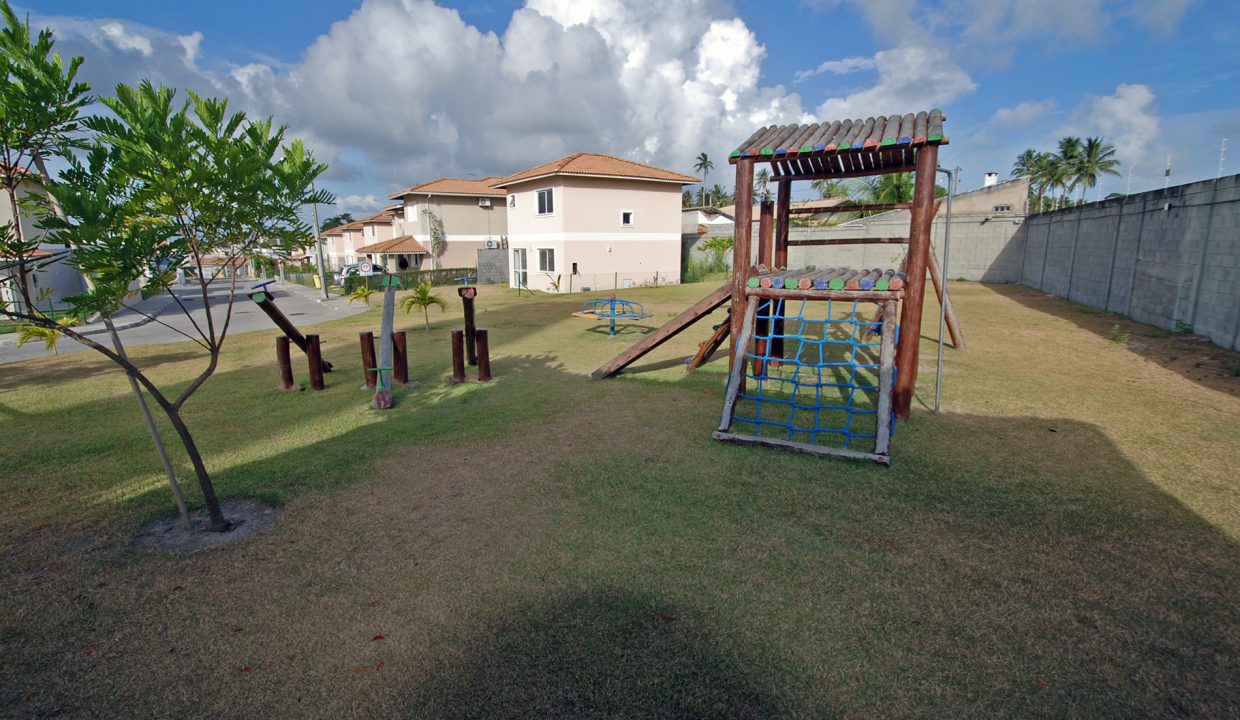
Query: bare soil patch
167, 534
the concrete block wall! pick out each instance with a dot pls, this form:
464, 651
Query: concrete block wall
493, 266
1163, 257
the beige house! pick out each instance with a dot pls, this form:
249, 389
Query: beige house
589, 222
341, 243
471, 212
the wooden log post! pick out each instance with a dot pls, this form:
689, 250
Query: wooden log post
314, 355
467, 300
484, 355
742, 259
915, 287
383, 375
458, 356
369, 361
783, 201
766, 227
940, 288
286, 364
400, 358
267, 304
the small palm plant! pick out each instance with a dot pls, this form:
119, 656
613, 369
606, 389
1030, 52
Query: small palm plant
49, 336
422, 297
361, 294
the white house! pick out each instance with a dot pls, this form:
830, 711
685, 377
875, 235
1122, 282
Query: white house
591, 222
49, 271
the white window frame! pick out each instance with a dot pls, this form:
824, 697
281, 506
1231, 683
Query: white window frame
550, 201
551, 254
411, 211
632, 218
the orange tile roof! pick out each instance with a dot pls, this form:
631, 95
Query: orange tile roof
596, 165
454, 186
355, 225
405, 244
383, 216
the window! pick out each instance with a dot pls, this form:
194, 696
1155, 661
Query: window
1003, 208
370, 230
546, 260
545, 204
626, 218
512, 201
411, 211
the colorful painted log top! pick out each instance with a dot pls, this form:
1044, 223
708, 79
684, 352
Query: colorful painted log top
843, 147
832, 278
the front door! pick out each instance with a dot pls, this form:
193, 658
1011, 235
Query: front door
520, 276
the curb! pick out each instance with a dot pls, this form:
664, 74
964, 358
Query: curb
139, 322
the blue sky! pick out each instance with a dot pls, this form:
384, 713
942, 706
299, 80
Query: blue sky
394, 92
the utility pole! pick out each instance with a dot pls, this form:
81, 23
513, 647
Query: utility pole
1167, 173
318, 247
1222, 153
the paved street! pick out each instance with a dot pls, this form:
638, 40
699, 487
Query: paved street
301, 304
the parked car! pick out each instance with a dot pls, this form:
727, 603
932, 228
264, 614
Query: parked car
356, 269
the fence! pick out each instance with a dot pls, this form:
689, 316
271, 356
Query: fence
1169, 258
593, 282
413, 278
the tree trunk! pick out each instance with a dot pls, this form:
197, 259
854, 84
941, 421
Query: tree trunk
218, 522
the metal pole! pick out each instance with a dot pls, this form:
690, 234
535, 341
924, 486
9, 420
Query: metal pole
947, 246
318, 247
1222, 153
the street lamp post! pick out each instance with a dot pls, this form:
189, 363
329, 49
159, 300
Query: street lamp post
318, 248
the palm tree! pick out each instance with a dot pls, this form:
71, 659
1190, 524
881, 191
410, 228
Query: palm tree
718, 195
762, 183
422, 297
704, 166
1096, 159
1025, 164
887, 189
1069, 174
826, 188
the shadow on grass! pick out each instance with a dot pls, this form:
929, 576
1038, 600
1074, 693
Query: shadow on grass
1147, 341
46, 373
603, 653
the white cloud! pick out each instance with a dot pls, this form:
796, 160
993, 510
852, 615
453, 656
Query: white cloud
1021, 115
124, 40
837, 67
908, 78
358, 206
1128, 119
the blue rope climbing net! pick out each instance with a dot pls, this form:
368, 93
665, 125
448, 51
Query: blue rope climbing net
824, 390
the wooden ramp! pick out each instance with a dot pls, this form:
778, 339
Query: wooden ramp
696, 312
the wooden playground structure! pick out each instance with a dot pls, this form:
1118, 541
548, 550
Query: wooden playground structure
823, 151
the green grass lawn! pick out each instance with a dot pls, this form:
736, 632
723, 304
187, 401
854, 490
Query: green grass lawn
1060, 542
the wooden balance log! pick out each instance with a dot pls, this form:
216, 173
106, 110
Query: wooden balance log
870, 279
824, 282
839, 282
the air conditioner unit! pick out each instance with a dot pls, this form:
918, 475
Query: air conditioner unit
484, 202
491, 244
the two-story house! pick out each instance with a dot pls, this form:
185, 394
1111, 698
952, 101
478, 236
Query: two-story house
471, 213
590, 221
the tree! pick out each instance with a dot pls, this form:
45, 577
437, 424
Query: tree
40, 106
422, 297
826, 188
718, 195
157, 187
1068, 170
686, 199
762, 185
704, 166
1095, 159
343, 218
